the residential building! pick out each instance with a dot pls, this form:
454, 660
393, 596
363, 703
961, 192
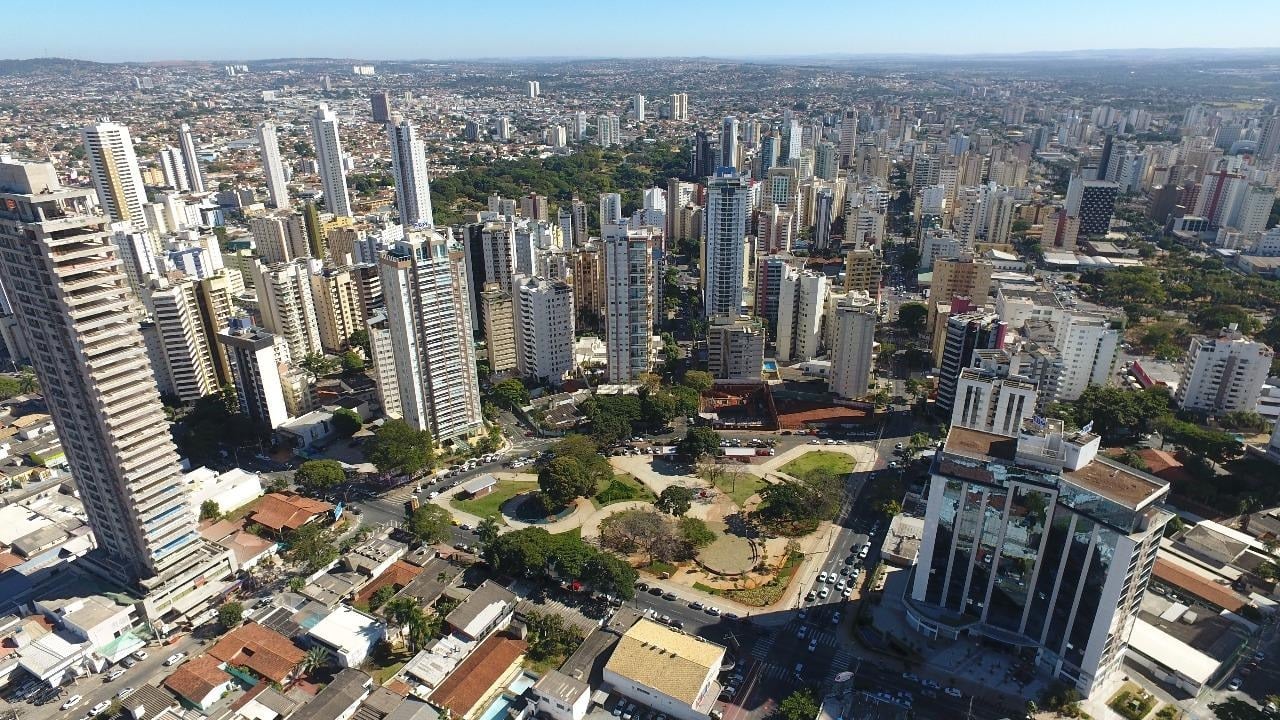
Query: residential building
1038, 544
589, 287
735, 348
499, 329
631, 276
848, 137
1093, 202
769, 272
1089, 346
382, 359
380, 106
272, 167
174, 169
725, 223
1223, 374
610, 209
253, 355
853, 345
729, 135
279, 237
409, 169
958, 277
543, 328
329, 160
187, 142
802, 300
992, 396
114, 168
862, 272
137, 254
428, 315
287, 305
608, 131
188, 369
966, 333
680, 107
63, 277
339, 306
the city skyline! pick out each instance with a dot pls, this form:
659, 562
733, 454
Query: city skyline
938, 28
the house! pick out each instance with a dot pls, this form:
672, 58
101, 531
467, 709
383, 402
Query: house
481, 676
340, 699
348, 634
902, 541
200, 682
249, 549
229, 490
372, 557
480, 486
666, 670
1164, 465
281, 513
264, 652
561, 697
397, 576
487, 609
262, 702
308, 432
148, 702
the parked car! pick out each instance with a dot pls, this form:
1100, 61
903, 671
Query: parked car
115, 674
139, 655
71, 702
174, 659
99, 708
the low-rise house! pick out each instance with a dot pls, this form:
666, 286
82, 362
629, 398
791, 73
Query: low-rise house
249, 549
349, 635
372, 557
480, 677
560, 697
200, 682
666, 670
262, 652
308, 432
282, 514
486, 610
340, 699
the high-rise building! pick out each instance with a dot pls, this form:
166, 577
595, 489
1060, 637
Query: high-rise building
535, 207
610, 209
770, 270
279, 237
630, 280
1269, 139
253, 356
339, 306
826, 161
637, 107
959, 277
589, 287
188, 369
287, 305
735, 348
272, 167
608, 131
535, 89
729, 132
725, 223
1223, 374
992, 396
1094, 202
966, 333
137, 255
862, 271
409, 169
428, 316
502, 128
380, 106
114, 168
1040, 541
499, 328
580, 236
703, 155
543, 328
1089, 347
174, 169
848, 138
328, 147
195, 177
74, 306
680, 107
823, 216
853, 346
383, 368
802, 301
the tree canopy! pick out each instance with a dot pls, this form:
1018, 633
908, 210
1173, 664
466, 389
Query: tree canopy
511, 394
674, 500
319, 475
911, 316
699, 442
397, 447
534, 552
429, 524
1116, 413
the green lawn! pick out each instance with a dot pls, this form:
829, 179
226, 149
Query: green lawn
621, 488
739, 485
836, 463
490, 504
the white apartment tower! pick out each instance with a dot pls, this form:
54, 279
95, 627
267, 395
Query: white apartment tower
680, 107
637, 107
114, 167
802, 299
272, 167
630, 277
729, 157
608, 131
74, 305
409, 168
1089, 346
853, 344
328, 147
383, 360
188, 359
280, 237
174, 169
1223, 374
195, 178
991, 396
255, 370
544, 328
724, 232
610, 209
427, 304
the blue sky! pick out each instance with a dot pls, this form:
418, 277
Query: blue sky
120, 30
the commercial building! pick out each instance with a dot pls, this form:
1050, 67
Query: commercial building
1036, 544
114, 167
630, 282
409, 169
73, 302
1093, 202
853, 345
1223, 374
428, 317
669, 671
329, 160
724, 231
735, 348
543, 315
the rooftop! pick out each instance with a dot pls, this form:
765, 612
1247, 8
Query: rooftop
1116, 482
348, 688
196, 678
671, 662
279, 512
468, 684
262, 650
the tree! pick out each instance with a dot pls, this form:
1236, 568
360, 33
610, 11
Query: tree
550, 637
511, 394
694, 531
698, 442
314, 659
296, 584
346, 422
698, 380
645, 531
230, 614
911, 316
1216, 317
352, 362
799, 705
397, 447
522, 553
319, 365
430, 524
564, 480
9, 387
360, 339
381, 596
658, 408
27, 382
674, 500
487, 530
209, 510
319, 475
312, 547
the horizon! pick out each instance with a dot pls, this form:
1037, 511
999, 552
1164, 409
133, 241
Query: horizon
152, 31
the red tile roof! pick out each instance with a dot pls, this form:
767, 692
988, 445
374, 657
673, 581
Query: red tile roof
264, 651
1194, 584
280, 512
400, 573
196, 678
467, 685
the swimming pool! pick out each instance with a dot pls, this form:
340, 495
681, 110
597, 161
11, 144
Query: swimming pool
770, 366
497, 710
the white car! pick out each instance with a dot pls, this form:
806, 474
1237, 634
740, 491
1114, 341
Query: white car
114, 674
139, 654
124, 693
71, 702
100, 707
813, 644
823, 593
174, 659
822, 577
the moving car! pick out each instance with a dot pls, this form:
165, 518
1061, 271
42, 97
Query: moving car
115, 674
71, 702
174, 659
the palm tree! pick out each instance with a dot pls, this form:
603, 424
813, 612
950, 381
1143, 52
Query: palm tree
315, 658
27, 382
487, 530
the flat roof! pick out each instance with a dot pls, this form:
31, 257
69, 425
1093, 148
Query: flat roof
1115, 482
978, 444
1171, 652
